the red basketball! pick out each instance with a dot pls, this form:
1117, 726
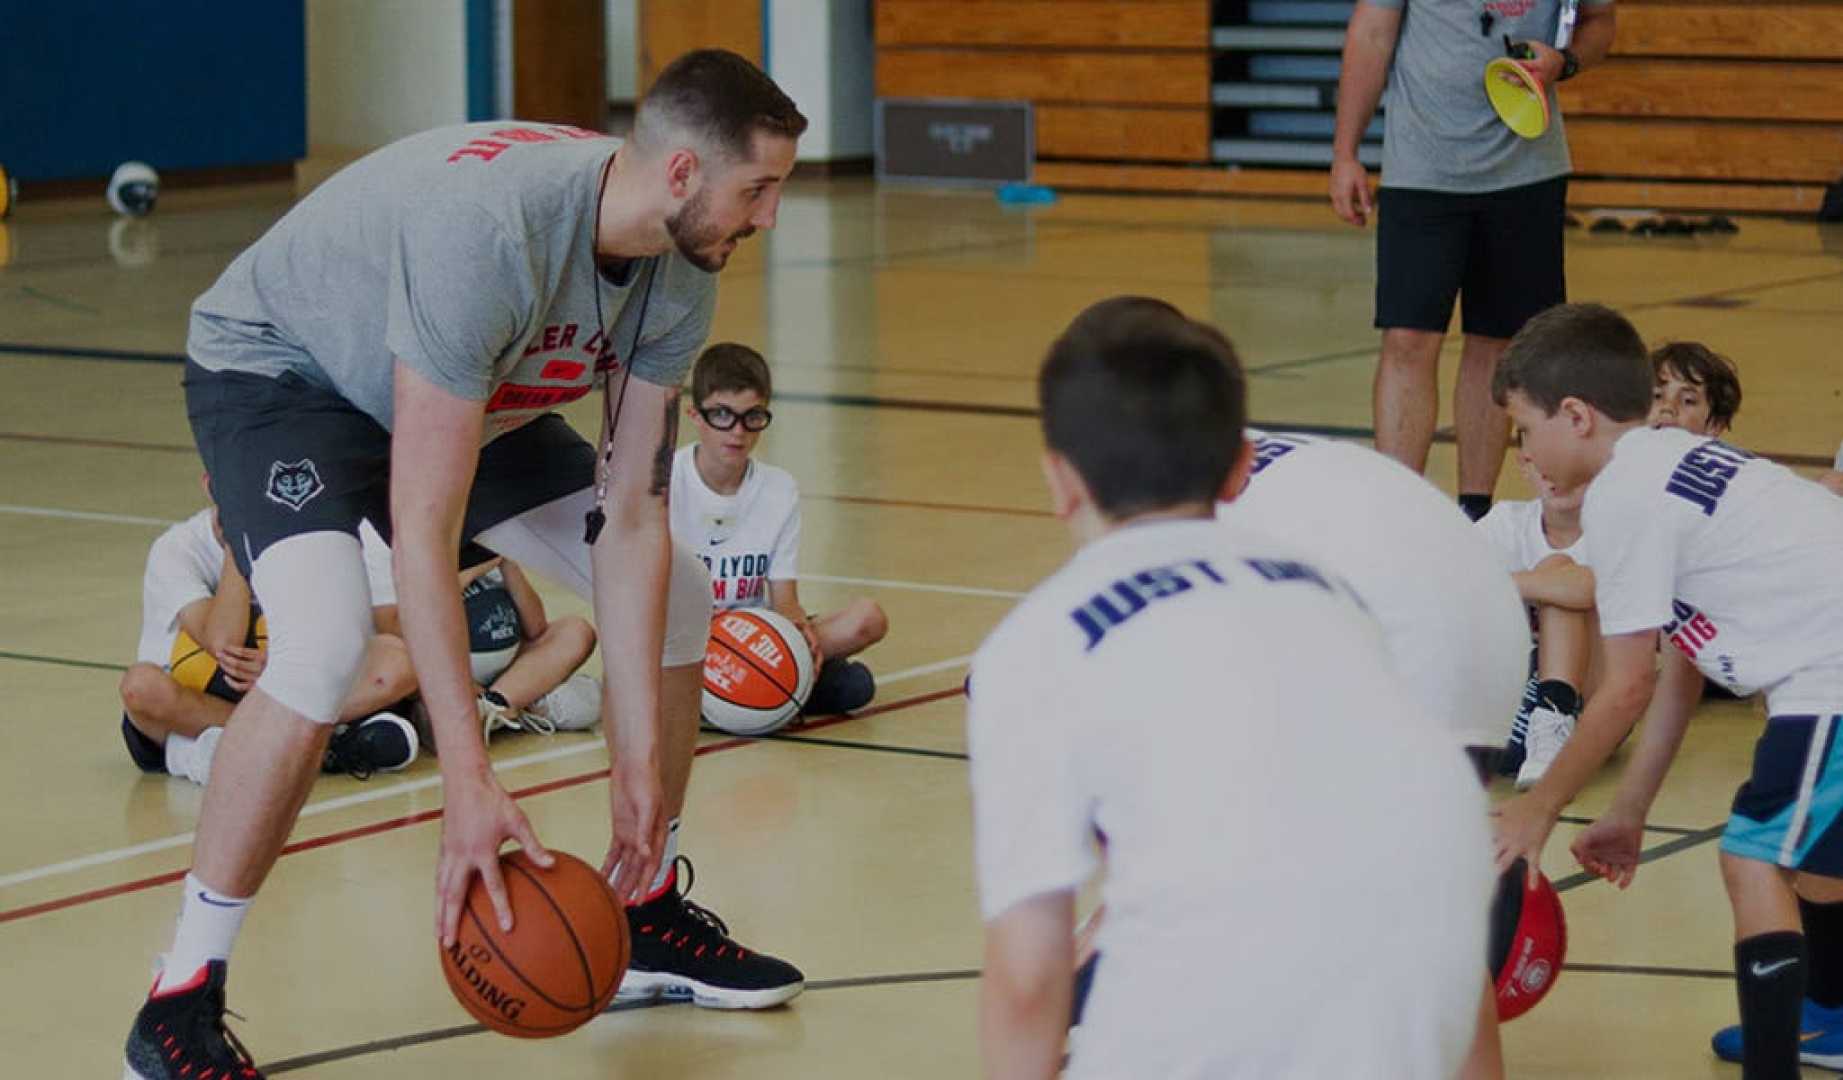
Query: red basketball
560, 964
1529, 940
757, 671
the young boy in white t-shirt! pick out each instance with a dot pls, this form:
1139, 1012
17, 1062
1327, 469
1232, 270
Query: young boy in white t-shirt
1539, 542
742, 518
1733, 559
191, 584
1222, 707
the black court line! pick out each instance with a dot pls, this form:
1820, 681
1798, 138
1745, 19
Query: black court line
1640, 969
61, 661
1675, 830
421, 1038
81, 352
1668, 848
881, 748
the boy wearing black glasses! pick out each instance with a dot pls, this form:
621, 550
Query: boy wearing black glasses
742, 517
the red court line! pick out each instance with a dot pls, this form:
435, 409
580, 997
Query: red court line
373, 829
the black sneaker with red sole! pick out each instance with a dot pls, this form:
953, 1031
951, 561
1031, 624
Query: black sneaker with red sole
683, 952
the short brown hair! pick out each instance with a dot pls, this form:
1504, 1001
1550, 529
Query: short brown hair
1699, 365
727, 366
718, 97
1584, 351
1148, 405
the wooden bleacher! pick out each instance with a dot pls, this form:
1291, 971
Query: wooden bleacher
1704, 105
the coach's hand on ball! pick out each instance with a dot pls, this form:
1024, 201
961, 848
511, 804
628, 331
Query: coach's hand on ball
478, 817
639, 826
1521, 828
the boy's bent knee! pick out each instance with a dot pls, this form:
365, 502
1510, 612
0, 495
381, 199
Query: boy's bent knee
145, 688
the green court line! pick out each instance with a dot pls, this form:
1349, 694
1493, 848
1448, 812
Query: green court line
62, 661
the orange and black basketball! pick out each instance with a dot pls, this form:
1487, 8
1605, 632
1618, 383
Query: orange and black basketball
757, 671
560, 964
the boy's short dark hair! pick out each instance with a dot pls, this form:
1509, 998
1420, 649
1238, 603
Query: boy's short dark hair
727, 366
1148, 405
1699, 365
1585, 351
720, 97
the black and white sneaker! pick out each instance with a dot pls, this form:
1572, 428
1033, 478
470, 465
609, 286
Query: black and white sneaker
382, 742
180, 1035
682, 951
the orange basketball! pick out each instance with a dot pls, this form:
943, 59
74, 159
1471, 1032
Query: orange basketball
562, 961
757, 671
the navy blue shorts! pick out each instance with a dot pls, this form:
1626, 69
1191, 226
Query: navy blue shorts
149, 755
1790, 811
1501, 251
287, 457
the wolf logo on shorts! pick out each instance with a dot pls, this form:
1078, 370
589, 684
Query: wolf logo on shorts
294, 483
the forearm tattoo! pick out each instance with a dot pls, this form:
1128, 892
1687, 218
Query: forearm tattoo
668, 444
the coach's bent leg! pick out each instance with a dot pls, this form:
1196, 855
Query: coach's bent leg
313, 592
1407, 394
1481, 425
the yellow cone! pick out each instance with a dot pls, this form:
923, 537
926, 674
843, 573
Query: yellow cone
1518, 97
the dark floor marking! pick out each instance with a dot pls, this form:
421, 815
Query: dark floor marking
420, 1038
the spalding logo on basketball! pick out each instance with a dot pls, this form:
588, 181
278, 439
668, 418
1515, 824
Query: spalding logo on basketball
1529, 940
757, 671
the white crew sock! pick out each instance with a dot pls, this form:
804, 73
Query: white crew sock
208, 925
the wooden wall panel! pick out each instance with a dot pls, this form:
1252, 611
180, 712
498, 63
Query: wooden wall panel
1707, 150
1710, 89
1101, 133
1795, 31
670, 28
560, 63
1131, 24
1093, 78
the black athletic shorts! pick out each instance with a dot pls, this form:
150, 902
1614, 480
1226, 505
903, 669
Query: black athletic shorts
1501, 251
287, 457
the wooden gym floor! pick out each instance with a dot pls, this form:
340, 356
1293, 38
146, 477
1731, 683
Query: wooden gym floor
904, 328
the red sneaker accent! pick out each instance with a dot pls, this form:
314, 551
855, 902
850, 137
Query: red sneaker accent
197, 980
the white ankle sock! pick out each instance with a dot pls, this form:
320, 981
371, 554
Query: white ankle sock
665, 860
191, 758
208, 925
179, 753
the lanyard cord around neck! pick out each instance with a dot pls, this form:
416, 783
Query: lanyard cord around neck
604, 461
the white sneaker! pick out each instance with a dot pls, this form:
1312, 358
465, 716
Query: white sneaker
576, 705
495, 717
191, 758
1548, 733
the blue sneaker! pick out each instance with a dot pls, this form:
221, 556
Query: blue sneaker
1820, 1034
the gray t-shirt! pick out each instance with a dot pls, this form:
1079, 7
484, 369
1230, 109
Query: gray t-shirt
1439, 130
466, 252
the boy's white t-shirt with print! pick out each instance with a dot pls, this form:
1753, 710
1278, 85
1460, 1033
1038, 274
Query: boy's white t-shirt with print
1416, 561
1738, 560
747, 539
1226, 713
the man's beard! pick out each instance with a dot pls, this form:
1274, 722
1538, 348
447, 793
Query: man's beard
699, 239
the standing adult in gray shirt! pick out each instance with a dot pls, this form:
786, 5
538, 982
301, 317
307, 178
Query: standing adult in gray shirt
1468, 207
391, 349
